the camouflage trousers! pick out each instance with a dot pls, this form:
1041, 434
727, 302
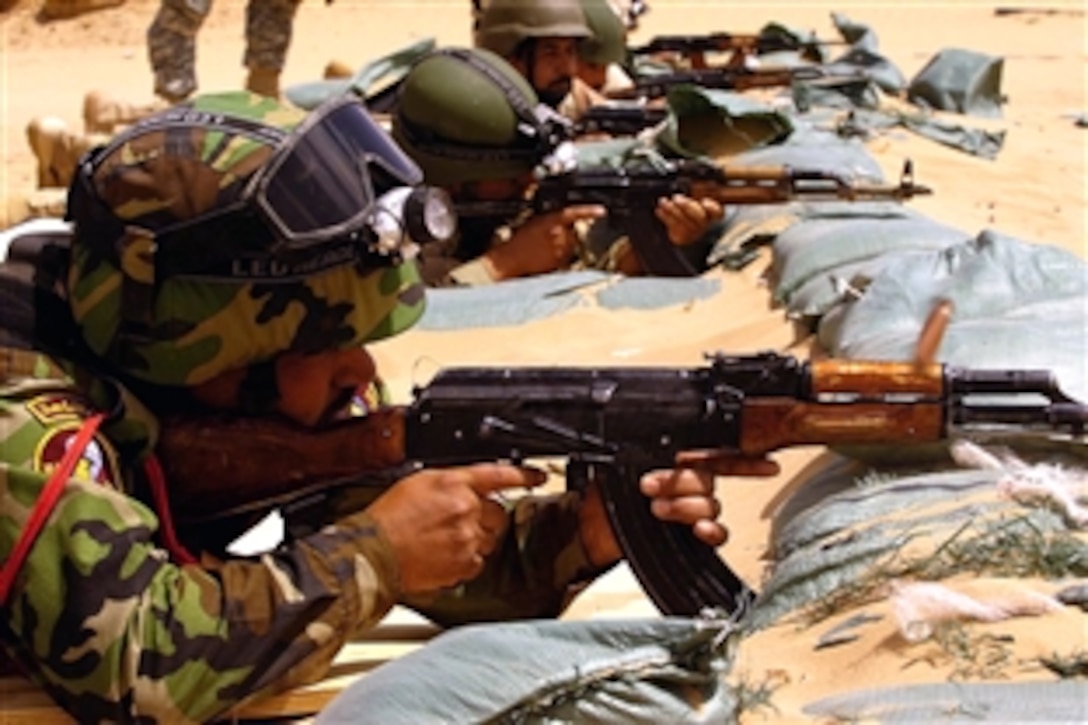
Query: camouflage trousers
171, 40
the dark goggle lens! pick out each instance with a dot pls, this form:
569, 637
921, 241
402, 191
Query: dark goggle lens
324, 186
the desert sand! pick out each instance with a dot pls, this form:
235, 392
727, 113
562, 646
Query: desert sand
1034, 189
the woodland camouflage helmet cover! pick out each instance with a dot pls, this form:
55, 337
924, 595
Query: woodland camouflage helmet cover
609, 41
465, 114
506, 23
180, 329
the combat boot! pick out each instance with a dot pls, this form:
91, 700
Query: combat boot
174, 90
338, 69
264, 81
103, 113
44, 134
58, 150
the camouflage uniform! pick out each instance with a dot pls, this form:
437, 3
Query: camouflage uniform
171, 41
113, 624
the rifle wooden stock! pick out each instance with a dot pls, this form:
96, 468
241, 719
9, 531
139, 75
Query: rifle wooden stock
217, 465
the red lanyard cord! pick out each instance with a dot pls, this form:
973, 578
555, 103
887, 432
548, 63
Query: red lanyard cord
156, 480
45, 504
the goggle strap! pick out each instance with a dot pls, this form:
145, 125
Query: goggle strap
185, 116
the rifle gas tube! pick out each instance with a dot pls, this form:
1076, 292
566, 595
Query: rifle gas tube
613, 424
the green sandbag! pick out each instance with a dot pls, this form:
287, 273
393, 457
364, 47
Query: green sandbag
372, 80
962, 81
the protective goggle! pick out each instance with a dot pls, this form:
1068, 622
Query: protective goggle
317, 197
324, 180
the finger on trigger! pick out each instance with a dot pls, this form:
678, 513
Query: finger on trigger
485, 478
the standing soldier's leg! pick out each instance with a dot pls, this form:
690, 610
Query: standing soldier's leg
171, 45
268, 35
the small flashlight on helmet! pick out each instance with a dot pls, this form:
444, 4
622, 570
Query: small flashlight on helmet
408, 217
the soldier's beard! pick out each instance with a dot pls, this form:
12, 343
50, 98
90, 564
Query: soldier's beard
554, 94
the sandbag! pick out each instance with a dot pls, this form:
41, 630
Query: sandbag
808, 147
1017, 305
1056, 703
836, 235
378, 78
881, 527
600, 671
713, 123
506, 303
962, 81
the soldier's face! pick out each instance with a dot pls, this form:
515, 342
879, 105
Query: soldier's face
311, 389
550, 68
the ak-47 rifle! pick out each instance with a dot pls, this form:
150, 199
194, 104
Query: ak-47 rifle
619, 119
694, 48
611, 424
631, 194
657, 85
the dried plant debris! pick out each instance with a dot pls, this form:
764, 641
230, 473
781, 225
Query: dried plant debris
1068, 666
922, 608
1074, 595
846, 631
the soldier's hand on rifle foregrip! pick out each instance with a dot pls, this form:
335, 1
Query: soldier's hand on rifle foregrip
687, 219
682, 495
687, 495
442, 523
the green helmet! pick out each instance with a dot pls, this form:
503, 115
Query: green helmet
609, 41
465, 114
504, 24
171, 278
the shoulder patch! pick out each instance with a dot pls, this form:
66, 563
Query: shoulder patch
50, 408
98, 462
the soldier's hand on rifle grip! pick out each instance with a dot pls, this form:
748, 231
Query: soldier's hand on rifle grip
544, 243
687, 219
441, 522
